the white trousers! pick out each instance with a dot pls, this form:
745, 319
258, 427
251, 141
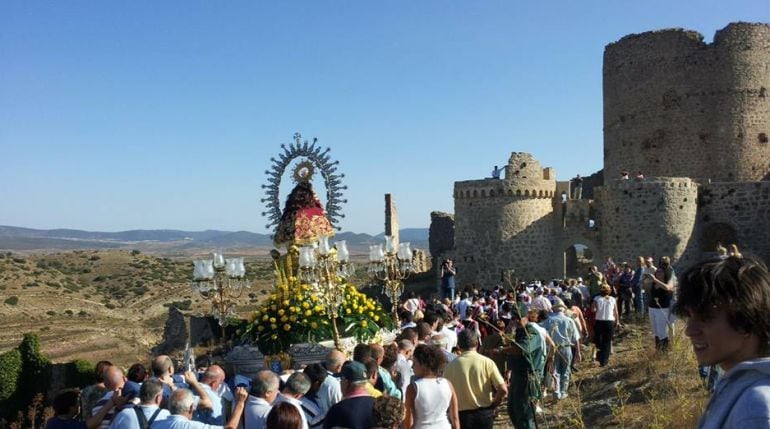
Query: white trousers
660, 320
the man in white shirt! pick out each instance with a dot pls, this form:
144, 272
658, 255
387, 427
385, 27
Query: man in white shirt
150, 395
463, 305
181, 405
264, 390
330, 391
404, 365
296, 386
448, 330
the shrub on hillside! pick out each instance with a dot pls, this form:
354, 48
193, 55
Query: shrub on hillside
35, 368
23, 363
135, 252
12, 300
10, 372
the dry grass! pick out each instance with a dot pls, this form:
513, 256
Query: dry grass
640, 388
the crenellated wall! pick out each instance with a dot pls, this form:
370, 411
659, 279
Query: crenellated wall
505, 224
673, 104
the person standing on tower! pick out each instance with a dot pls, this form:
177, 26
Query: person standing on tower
448, 272
577, 189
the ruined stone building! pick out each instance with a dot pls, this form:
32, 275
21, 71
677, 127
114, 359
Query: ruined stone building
693, 117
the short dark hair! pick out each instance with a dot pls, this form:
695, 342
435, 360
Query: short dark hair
408, 334
99, 369
430, 357
371, 367
362, 352
65, 400
467, 339
423, 330
430, 317
316, 372
137, 373
740, 286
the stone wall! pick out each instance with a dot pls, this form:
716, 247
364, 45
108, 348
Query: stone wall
743, 207
504, 225
675, 104
441, 235
651, 217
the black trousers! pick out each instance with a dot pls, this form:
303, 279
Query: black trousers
480, 418
604, 330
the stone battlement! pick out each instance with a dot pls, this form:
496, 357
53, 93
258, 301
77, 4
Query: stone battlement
495, 188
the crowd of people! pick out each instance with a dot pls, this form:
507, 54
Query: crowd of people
457, 358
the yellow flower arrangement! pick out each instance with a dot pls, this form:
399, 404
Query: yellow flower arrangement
293, 314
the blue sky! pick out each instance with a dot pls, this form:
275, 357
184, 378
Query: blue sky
119, 115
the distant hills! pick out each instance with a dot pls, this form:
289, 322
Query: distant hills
169, 241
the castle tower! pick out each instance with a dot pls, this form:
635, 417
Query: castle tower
505, 224
653, 217
675, 106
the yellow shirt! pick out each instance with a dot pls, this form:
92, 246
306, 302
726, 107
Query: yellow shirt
372, 391
475, 379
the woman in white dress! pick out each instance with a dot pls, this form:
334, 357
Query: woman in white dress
431, 401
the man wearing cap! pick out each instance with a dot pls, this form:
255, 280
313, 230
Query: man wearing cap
478, 384
354, 411
564, 332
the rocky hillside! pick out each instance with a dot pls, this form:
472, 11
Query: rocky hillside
96, 304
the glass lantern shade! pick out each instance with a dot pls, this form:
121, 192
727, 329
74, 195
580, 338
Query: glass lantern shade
306, 257
219, 260
390, 244
323, 245
204, 270
342, 251
404, 252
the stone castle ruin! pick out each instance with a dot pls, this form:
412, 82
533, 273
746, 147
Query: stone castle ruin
693, 117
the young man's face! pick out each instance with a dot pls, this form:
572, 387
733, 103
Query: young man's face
714, 341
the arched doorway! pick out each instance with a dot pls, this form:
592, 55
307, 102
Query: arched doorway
578, 257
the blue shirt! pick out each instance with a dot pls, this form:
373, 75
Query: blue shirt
214, 416
57, 423
562, 329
